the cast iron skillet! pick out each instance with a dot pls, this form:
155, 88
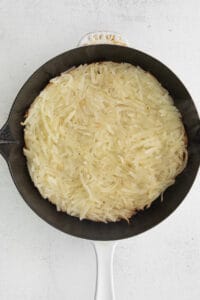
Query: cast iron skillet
12, 141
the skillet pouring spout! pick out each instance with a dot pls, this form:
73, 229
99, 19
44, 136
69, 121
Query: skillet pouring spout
6, 140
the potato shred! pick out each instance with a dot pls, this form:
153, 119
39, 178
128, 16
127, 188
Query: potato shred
103, 141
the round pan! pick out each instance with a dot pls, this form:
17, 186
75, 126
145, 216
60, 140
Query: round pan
12, 142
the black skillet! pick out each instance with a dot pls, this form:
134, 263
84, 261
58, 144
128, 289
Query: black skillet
12, 141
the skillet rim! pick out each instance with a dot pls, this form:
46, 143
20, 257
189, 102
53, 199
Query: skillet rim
9, 120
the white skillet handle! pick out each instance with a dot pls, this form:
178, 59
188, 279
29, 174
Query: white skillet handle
102, 37
104, 280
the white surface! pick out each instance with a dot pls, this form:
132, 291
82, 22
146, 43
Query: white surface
39, 262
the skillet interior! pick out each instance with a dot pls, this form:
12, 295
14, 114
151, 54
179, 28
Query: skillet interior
87, 229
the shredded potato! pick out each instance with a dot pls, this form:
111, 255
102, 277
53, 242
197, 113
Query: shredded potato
103, 141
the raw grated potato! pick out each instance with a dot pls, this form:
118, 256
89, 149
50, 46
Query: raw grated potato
103, 141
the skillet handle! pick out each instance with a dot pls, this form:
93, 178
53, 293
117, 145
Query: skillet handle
104, 281
102, 37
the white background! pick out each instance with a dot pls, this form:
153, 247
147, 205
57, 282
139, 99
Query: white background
39, 262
